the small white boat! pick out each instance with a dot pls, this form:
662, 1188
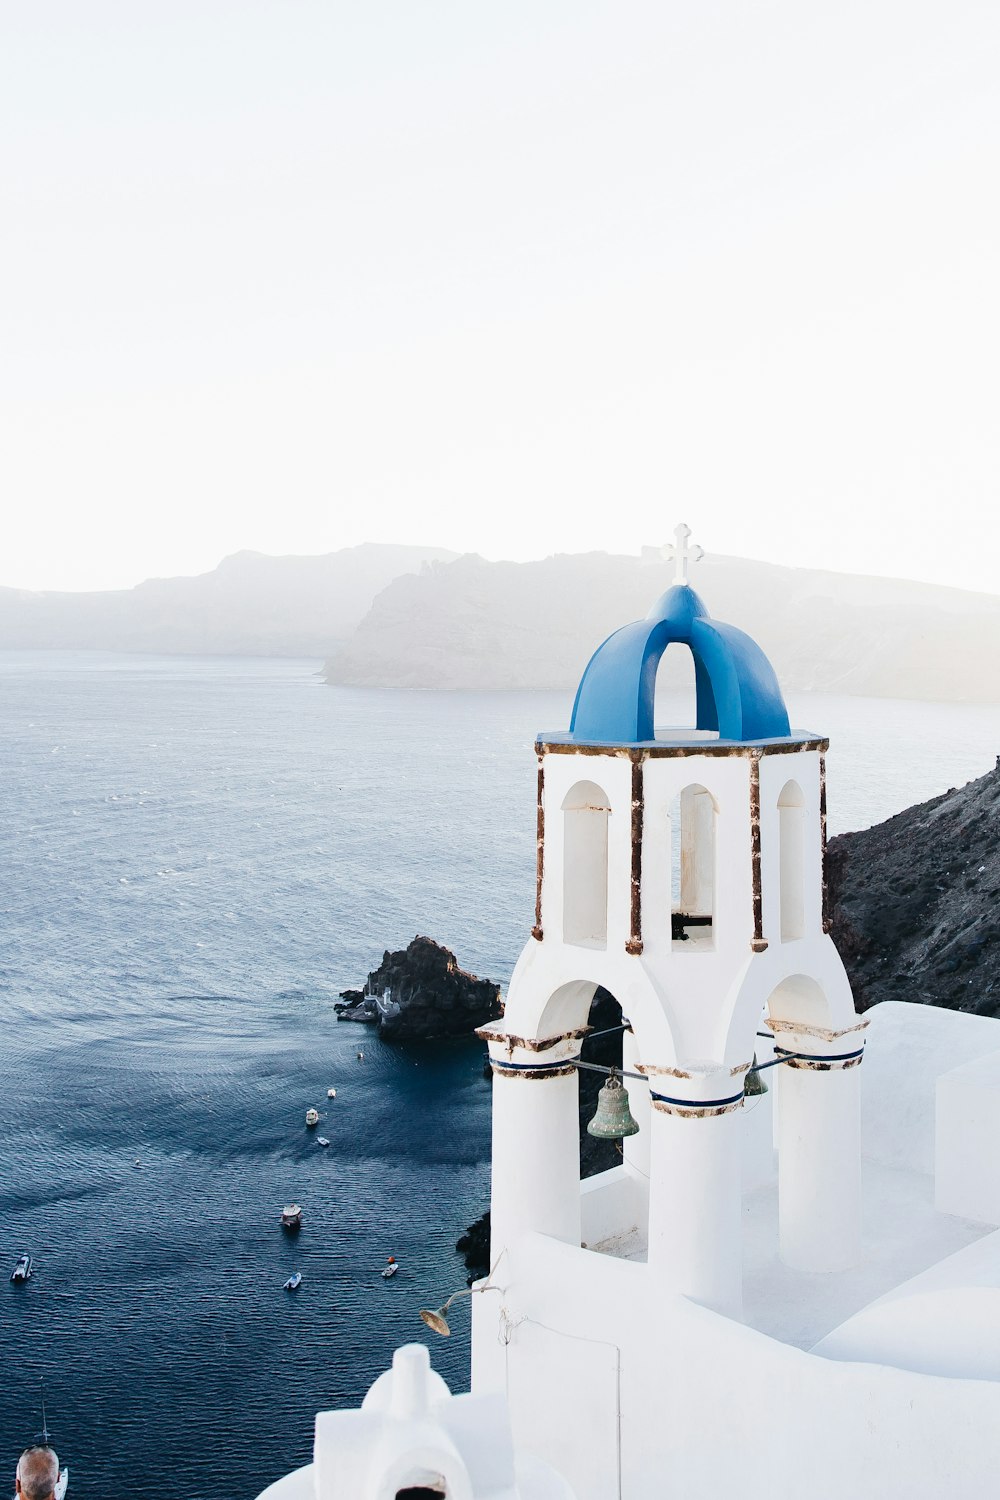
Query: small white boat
312, 1117
321, 1140
391, 1268
331, 1093
22, 1270
291, 1216
294, 1282
361, 1057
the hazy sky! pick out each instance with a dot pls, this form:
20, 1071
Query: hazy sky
517, 277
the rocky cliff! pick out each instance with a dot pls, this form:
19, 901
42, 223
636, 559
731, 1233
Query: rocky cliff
419, 993
915, 902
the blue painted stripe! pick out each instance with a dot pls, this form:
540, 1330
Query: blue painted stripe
696, 1103
512, 1067
817, 1056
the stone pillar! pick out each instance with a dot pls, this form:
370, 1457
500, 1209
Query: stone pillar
536, 1142
819, 1149
695, 1188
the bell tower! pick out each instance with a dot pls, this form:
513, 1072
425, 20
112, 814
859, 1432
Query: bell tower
682, 870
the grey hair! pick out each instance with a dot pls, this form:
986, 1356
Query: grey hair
38, 1470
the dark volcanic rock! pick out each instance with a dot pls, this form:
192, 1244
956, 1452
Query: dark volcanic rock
419, 993
914, 902
474, 1247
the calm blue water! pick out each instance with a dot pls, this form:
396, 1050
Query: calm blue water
195, 858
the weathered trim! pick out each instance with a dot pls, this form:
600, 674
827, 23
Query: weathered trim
634, 944
537, 931
758, 897
657, 1070
661, 752
778, 1023
531, 1070
758, 945
824, 1065
696, 1109
825, 885
530, 1044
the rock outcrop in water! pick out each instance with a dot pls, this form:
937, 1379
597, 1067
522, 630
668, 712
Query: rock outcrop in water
915, 902
419, 993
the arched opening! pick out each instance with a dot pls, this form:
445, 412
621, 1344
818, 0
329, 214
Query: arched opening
598, 1155
586, 810
675, 702
692, 910
791, 839
800, 999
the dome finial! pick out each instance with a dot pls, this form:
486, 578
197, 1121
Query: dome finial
679, 552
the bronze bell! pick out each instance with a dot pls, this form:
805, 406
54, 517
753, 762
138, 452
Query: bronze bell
613, 1118
754, 1083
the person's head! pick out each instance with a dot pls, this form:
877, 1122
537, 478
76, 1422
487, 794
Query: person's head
37, 1474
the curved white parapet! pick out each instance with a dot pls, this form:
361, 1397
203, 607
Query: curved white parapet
617, 1384
412, 1432
943, 1322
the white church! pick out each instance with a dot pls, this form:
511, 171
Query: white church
781, 1291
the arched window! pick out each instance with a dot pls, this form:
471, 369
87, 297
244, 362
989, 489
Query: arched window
692, 822
791, 837
586, 810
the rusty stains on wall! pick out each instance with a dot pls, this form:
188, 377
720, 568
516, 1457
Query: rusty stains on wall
758, 898
695, 1111
825, 888
530, 1044
653, 751
634, 944
500, 1071
814, 1065
537, 931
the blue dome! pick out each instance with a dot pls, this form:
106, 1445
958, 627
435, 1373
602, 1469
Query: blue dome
736, 689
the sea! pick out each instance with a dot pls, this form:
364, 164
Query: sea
196, 857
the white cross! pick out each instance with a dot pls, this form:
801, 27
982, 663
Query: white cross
681, 553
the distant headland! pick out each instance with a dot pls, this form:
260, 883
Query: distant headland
392, 616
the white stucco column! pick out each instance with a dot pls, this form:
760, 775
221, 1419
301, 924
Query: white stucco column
695, 1186
819, 1151
536, 1143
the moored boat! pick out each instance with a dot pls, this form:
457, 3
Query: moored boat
312, 1117
321, 1140
294, 1282
291, 1216
391, 1268
22, 1270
